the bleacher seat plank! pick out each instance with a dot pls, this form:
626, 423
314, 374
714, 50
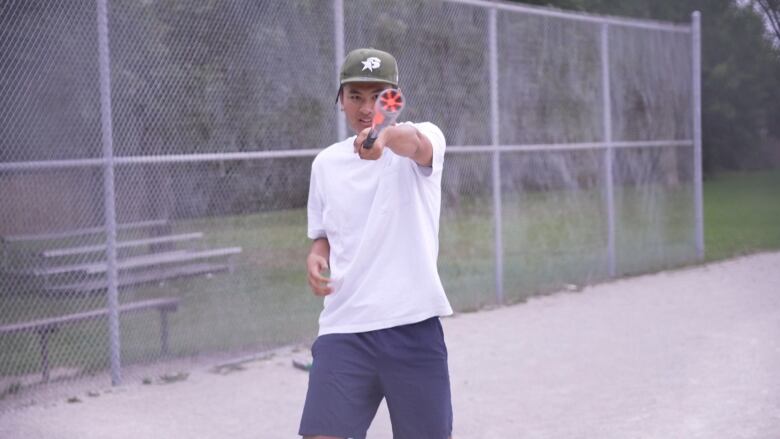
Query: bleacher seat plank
98, 267
147, 276
72, 251
165, 258
169, 304
80, 232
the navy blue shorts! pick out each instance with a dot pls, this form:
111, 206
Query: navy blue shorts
351, 373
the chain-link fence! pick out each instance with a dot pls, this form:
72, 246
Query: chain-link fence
167, 219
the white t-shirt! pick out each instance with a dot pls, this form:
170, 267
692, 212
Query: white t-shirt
381, 219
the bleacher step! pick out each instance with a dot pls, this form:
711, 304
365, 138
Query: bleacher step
148, 275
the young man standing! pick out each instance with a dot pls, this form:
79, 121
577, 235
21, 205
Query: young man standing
373, 216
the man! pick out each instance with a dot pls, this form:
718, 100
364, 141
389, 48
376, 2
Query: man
373, 216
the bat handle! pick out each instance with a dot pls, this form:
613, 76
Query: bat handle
369, 142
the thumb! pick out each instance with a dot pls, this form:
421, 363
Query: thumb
322, 264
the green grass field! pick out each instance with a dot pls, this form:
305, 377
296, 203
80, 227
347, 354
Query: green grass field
741, 214
550, 239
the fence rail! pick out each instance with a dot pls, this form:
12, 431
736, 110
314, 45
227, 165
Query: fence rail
311, 152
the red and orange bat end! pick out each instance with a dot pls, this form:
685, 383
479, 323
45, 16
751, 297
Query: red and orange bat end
388, 106
391, 100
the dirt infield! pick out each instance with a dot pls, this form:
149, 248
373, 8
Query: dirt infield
693, 353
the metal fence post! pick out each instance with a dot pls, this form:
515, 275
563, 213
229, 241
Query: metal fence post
338, 43
108, 191
494, 136
697, 153
608, 150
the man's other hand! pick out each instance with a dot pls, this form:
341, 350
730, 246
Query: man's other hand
319, 284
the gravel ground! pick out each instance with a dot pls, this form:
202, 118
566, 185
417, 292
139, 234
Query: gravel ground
691, 353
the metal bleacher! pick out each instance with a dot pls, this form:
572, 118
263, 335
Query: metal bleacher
59, 262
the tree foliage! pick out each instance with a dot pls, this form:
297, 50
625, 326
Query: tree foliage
771, 11
740, 73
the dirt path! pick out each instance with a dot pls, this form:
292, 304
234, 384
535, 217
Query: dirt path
693, 353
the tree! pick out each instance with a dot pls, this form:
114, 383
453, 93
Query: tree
740, 67
771, 11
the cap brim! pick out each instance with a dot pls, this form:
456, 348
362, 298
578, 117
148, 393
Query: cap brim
362, 79
367, 79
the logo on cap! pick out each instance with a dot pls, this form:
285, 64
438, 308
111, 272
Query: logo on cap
371, 63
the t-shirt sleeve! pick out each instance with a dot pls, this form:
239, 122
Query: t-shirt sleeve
436, 137
316, 227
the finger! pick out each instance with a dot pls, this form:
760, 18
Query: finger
317, 277
322, 266
315, 286
319, 288
371, 154
358, 142
321, 263
324, 290
316, 264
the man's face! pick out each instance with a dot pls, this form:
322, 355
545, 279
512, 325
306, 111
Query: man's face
358, 101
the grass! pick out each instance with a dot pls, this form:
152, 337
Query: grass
550, 239
741, 214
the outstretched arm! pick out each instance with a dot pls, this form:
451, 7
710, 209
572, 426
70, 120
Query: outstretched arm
404, 140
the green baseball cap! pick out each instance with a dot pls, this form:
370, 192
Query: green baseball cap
369, 65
